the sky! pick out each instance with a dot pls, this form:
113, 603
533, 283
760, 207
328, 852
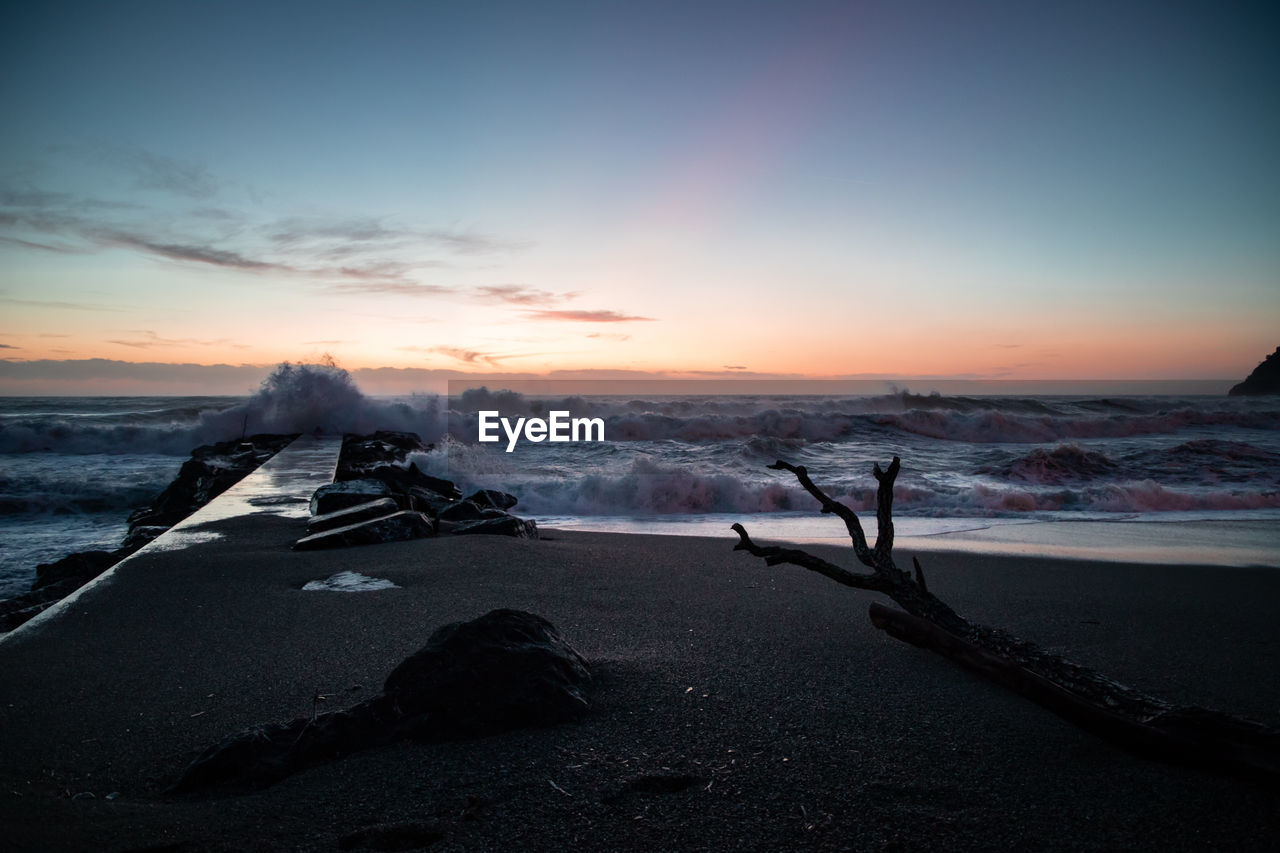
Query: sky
980, 190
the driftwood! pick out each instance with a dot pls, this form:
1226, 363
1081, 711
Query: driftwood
1125, 716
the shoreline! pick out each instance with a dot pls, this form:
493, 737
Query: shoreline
769, 685
1233, 540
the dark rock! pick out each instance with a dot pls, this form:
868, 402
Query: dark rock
397, 527
507, 525
405, 479
493, 498
332, 497
506, 670
211, 470
83, 567
140, 535
461, 511
427, 500
1265, 378
352, 514
361, 453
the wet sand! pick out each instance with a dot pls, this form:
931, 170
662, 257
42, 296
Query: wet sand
765, 695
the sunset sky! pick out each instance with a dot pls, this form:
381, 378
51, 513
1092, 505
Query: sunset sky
990, 190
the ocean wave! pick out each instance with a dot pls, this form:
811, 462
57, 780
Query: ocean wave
294, 398
1061, 464
1002, 427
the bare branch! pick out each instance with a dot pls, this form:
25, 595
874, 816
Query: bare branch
773, 555
884, 510
919, 575
829, 505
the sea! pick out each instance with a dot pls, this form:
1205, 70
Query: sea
73, 468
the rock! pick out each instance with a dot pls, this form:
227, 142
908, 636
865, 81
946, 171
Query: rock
405, 479
427, 500
360, 453
332, 497
82, 567
461, 511
211, 470
493, 498
506, 670
352, 514
140, 535
507, 525
1265, 378
396, 527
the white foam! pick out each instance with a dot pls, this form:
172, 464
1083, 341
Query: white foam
348, 582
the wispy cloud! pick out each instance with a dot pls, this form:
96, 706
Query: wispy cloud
152, 171
150, 339
9, 346
586, 316
520, 294
69, 306
354, 250
43, 247
735, 367
610, 336
398, 288
193, 253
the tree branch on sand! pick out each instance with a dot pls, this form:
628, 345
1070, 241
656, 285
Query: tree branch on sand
1132, 719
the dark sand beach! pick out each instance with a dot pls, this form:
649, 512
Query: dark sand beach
792, 722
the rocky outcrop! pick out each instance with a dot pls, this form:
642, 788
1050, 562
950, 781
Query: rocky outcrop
397, 527
332, 497
506, 525
1265, 378
352, 514
211, 470
376, 469
506, 670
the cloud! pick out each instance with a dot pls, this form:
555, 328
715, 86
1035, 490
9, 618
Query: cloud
586, 316
153, 171
354, 249
69, 306
520, 294
735, 367
43, 247
151, 339
610, 336
470, 243
193, 253
9, 346
397, 288
466, 356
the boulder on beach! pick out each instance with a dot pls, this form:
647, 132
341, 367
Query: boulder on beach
504, 525
352, 514
332, 497
397, 527
505, 670
492, 498
1265, 378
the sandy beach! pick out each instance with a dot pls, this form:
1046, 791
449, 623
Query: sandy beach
784, 718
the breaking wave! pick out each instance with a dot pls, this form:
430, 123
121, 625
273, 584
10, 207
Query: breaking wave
294, 398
